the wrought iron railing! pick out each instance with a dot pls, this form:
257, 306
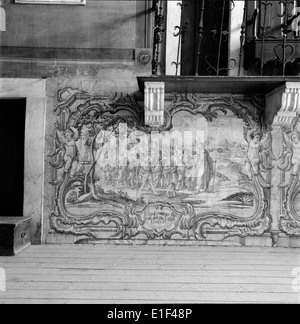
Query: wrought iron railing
268, 41
158, 34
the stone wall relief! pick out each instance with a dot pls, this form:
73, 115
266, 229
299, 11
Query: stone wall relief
290, 166
138, 200
286, 125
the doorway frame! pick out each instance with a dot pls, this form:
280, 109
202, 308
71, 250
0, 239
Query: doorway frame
34, 91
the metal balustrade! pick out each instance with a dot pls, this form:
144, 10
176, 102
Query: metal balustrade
268, 41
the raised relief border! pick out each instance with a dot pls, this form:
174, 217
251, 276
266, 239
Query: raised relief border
135, 200
287, 119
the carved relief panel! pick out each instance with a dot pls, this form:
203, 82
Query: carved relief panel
206, 170
290, 166
287, 125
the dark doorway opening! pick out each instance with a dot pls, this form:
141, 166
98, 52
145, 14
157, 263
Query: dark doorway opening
12, 141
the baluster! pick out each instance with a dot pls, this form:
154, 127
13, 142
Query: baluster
264, 28
220, 38
220, 35
179, 35
286, 15
200, 37
242, 38
158, 33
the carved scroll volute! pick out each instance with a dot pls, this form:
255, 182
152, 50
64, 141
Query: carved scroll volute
282, 109
290, 105
154, 103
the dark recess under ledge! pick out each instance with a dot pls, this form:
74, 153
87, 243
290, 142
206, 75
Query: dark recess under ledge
234, 85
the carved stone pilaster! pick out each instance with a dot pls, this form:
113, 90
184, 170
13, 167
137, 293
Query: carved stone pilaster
154, 103
283, 110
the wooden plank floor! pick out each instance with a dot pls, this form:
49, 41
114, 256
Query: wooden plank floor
132, 274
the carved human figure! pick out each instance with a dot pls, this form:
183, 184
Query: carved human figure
104, 156
181, 177
147, 177
131, 169
252, 164
291, 153
67, 153
295, 139
200, 171
258, 152
69, 138
172, 172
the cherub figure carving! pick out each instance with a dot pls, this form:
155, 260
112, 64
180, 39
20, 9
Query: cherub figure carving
291, 154
67, 151
296, 153
257, 154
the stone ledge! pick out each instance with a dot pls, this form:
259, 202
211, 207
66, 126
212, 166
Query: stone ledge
288, 242
232, 85
259, 241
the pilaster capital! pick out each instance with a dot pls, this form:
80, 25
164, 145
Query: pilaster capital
286, 101
154, 103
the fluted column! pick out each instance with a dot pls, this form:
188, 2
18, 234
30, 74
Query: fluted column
154, 103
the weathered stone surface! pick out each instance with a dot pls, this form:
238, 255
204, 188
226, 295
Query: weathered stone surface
262, 241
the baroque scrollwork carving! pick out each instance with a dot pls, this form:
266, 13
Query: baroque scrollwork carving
287, 120
258, 224
209, 107
290, 220
136, 201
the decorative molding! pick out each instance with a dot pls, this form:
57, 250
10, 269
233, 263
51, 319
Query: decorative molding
158, 220
209, 107
52, 2
144, 57
68, 54
289, 221
154, 103
290, 105
287, 98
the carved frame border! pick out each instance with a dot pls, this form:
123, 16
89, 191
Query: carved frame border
287, 118
129, 223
